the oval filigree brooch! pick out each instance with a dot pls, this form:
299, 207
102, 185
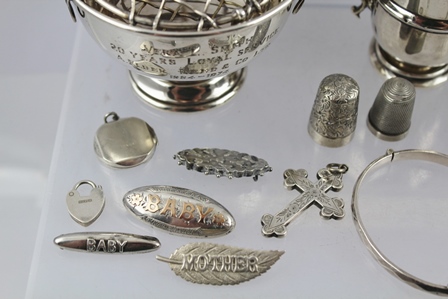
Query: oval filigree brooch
222, 162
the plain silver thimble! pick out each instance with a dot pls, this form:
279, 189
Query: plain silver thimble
333, 117
390, 116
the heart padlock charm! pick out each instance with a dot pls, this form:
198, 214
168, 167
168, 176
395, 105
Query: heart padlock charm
85, 209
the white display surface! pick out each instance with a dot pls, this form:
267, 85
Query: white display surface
268, 118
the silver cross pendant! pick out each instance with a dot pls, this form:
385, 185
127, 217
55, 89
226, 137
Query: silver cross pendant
312, 193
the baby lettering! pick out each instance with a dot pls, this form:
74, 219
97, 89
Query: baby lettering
183, 210
104, 245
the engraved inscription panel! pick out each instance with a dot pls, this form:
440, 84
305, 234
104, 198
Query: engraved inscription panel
214, 57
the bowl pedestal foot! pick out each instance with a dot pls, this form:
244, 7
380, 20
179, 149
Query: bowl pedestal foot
187, 96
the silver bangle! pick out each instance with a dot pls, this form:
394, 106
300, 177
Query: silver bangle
390, 156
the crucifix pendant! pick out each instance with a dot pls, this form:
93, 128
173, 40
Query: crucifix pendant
311, 193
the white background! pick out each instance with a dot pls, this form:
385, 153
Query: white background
54, 78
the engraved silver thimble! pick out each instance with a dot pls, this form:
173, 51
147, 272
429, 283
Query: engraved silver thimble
390, 116
335, 111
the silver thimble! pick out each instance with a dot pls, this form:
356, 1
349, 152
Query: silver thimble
335, 111
390, 116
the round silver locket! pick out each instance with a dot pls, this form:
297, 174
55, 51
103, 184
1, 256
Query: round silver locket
124, 142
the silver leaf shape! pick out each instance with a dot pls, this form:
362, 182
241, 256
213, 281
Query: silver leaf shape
215, 264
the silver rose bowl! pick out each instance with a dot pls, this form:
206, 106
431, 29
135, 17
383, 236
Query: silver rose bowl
184, 55
411, 39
